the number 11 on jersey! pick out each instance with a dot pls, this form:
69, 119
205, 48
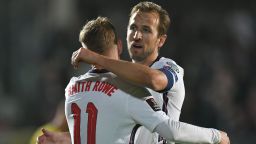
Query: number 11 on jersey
91, 125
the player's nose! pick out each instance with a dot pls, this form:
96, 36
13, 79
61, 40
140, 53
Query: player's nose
137, 35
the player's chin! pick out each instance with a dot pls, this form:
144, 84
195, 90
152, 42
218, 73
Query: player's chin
137, 57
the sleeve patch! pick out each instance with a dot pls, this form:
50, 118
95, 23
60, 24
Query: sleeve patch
152, 103
173, 66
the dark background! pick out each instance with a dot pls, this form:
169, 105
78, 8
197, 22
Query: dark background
214, 41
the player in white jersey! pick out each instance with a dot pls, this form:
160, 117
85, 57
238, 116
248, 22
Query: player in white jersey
146, 34
101, 108
170, 99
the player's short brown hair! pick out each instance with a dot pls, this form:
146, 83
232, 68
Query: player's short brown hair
164, 19
98, 35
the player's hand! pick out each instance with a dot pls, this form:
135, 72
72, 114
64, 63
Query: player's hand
224, 138
49, 137
83, 54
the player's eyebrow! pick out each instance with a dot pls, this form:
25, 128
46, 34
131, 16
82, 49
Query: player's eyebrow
146, 26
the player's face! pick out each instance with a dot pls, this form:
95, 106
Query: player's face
142, 36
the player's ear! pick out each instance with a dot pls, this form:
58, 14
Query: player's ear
162, 39
119, 46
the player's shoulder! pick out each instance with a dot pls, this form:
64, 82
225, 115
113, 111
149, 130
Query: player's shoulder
169, 63
129, 88
89, 76
75, 79
138, 91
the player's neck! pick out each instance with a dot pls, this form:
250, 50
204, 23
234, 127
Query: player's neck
112, 53
148, 60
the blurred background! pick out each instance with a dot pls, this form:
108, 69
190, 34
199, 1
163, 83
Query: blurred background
214, 41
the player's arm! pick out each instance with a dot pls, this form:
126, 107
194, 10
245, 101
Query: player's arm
183, 132
136, 73
155, 120
49, 137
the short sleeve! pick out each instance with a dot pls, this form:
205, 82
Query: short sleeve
171, 70
170, 77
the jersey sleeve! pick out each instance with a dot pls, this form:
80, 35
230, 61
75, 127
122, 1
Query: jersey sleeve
170, 76
146, 112
172, 71
186, 133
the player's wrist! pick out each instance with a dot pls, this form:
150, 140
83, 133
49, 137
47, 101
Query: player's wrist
216, 136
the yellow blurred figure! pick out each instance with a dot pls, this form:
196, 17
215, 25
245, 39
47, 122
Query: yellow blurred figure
58, 123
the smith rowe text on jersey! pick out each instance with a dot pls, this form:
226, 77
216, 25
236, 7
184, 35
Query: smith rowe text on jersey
86, 86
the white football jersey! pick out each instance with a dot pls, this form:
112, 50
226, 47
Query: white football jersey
170, 100
100, 109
